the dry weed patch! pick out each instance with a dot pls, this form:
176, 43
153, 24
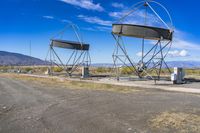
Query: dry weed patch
56, 82
180, 122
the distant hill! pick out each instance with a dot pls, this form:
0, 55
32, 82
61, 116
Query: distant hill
15, 59
184, 64
171, 64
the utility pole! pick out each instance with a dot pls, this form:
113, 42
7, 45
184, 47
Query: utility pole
30, 50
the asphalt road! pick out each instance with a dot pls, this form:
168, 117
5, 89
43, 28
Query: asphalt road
31, 108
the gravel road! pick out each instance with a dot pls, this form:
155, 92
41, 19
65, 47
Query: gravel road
32, 108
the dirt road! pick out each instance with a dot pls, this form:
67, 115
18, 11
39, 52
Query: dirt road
31, 108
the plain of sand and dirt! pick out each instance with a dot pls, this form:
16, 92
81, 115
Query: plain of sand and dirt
49, 105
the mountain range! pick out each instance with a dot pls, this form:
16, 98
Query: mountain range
171, 64
15, 59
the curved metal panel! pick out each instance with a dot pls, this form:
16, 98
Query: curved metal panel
69, 45
140, 31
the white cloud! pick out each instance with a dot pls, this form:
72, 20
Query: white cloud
177, 53
183, 53
86, 4
95, 20
118, 5
139, 54
138, 17
89, 29
182, 43
65, 21
116, 14
173, 53
48, 17
103, 28
98, 28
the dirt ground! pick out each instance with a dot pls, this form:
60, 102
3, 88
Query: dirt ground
28, 107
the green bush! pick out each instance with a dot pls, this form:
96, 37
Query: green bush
192, 71
57, 69
103, 70
27, 69
126, 70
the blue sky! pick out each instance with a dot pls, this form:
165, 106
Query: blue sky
38, 20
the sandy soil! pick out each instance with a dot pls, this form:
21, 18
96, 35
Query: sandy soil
28, 107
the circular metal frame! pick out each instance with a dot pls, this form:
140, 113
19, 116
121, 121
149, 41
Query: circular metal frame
156, 55
79, 57
139, 31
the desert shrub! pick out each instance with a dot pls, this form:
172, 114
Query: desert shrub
57, 69
126, 70
192, 71
103, 70
4, 68
42, 69
27, 69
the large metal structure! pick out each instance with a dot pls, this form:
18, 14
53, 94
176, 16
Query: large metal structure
79, 52
153, 59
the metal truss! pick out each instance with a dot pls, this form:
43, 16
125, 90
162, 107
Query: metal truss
77, 57
151, 62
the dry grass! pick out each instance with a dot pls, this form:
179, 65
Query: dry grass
179, 122
58, 83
